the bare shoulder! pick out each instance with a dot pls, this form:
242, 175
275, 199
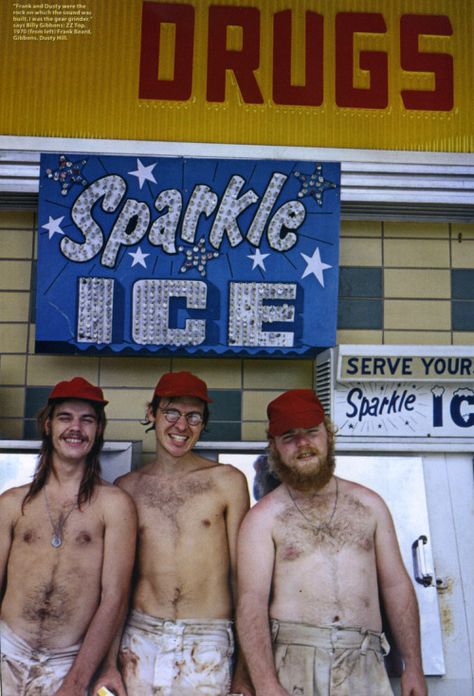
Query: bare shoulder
230, 474
266, 511
128, 482
357, 493
11, 501
115, 500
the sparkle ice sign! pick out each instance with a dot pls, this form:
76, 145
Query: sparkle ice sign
187, 256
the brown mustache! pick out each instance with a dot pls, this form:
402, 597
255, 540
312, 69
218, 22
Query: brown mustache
308, 450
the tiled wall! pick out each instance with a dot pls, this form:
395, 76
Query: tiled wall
399, 283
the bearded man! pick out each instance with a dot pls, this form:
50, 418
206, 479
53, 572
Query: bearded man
314, 557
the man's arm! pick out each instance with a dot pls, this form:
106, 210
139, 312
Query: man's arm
237, 506
120, 524
255, 560
400, 603
109, 674
9, 509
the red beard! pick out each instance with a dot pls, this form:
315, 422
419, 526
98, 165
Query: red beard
310, 480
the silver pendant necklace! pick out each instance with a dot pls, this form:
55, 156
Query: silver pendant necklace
57, 538
324, 524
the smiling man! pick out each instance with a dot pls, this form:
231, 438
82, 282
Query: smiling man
66, 554
314, 555
178, 640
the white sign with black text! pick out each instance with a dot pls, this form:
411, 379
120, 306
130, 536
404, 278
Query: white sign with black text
404, 409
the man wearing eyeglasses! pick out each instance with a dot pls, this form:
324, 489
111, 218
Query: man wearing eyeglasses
178, 639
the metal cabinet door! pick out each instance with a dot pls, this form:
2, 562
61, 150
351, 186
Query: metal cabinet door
400, 481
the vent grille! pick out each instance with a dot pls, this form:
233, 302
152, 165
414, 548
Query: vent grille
369, 190
323, 380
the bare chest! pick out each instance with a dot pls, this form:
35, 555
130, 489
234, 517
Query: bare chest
37, 532
190, 506
304, 532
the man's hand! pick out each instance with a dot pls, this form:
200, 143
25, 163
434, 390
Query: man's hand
112, 679
70, 689
241, 683
413, 683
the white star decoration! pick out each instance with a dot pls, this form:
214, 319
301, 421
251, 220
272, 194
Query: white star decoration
144, 173
315, 265
53, 226
138, 257
258, 258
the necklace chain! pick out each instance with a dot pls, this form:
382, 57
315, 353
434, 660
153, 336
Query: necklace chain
57, 538
324, 524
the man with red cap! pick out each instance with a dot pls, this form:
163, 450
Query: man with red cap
66, 553
314, 556
178, 639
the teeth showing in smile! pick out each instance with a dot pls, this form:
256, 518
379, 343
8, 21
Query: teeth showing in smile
180, 438
73, 440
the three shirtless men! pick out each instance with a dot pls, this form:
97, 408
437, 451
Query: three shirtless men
313, 556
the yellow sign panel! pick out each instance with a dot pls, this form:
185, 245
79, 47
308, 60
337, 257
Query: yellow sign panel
327, 73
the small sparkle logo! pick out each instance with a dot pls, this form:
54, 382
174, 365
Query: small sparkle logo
314, 185
197, 257
67, 174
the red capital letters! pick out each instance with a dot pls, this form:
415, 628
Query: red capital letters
242, 63
150, 86
311, 93
376, 96
441, 64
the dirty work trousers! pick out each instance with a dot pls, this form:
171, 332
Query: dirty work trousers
176, 658
30, 672
330, 661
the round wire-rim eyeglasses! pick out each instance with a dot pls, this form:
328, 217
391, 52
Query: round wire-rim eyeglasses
172, 415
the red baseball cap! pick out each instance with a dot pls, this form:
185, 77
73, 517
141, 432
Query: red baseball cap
78, 388
182, 384
295, 408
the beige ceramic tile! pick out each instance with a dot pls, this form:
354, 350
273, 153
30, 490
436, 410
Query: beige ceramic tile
124, 429
14, 306
254, 431
13, 369
31, 339
20, 220
417, 315
12, 402
15, 275
11, 428
218, 373
463, 338
129, 404
417, 283
462, 254
360, 228
417, 337
35, 244
13, 338
16, 244
46, 370
254, 404
278, 374
431, 230
360, 252
416, 253
462, 230
358, 336
132, 372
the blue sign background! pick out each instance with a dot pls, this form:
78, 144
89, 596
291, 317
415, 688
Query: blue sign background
187, 256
